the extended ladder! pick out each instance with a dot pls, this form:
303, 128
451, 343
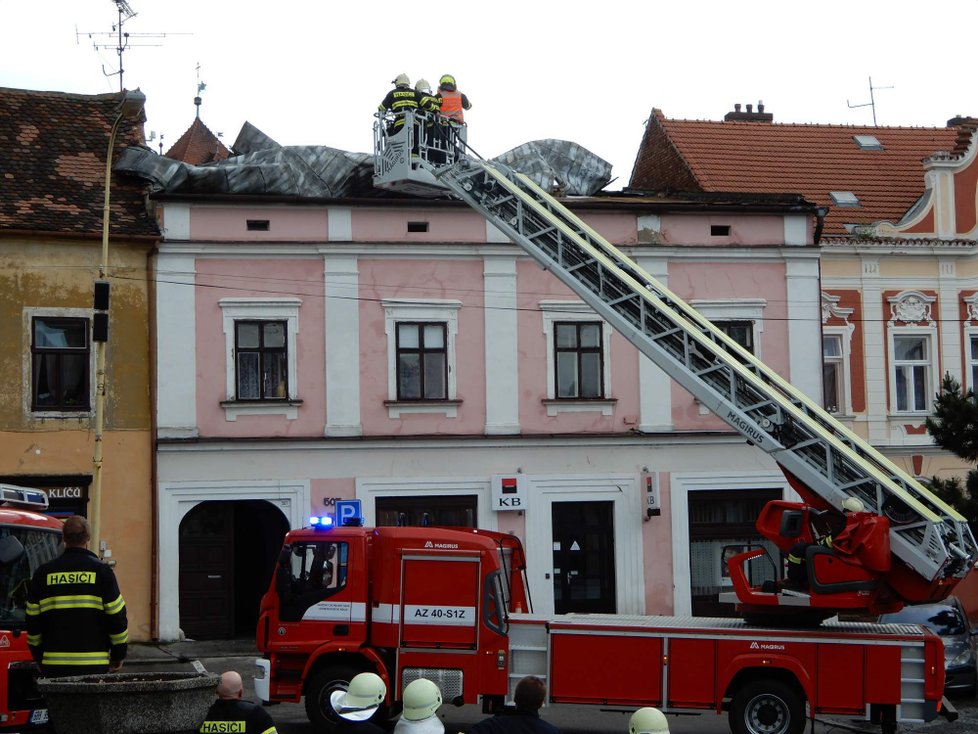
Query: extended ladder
826, 457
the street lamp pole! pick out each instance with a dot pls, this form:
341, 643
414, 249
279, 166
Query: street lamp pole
130, 108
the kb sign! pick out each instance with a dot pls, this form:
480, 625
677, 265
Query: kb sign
509, 492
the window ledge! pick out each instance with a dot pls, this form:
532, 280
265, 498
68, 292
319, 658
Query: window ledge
584, 405
85, 414
235, 408
396, 408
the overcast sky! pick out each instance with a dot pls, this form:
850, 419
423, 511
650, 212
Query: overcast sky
313, 71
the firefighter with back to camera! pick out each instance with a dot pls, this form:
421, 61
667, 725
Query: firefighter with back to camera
76, 617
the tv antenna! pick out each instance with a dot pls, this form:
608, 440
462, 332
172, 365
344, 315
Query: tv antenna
872, 100
124, 39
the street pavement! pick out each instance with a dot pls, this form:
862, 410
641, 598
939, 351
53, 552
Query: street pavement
217, 656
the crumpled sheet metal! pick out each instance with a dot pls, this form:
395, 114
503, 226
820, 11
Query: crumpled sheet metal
261, 166
559, 167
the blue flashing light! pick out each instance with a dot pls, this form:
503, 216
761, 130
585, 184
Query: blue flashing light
321, 522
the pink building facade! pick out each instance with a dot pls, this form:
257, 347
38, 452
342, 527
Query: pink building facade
405, 354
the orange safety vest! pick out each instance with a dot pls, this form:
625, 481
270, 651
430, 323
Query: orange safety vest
451, 105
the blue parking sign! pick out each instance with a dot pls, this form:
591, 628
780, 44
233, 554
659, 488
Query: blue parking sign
348, 512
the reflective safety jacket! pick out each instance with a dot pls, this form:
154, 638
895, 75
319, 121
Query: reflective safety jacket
240, 717
399, 100
76, 617
452, 104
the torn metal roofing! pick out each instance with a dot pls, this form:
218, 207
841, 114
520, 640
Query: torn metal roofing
261, 166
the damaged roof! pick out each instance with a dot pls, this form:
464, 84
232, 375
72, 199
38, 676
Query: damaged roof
52, 165
817, 161
260, 166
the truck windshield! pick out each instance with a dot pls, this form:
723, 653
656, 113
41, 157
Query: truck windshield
40, 546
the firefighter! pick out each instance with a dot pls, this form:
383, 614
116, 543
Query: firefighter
421, 701
400, 99
451, 106
358, 703
832, 523
453, 102
76, 617
529, 696
428, 105
248, 718
648, 720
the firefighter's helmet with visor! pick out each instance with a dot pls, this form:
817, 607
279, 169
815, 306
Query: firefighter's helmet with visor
361, 699
421, 700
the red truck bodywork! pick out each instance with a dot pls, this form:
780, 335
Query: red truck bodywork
447, 604
21, 706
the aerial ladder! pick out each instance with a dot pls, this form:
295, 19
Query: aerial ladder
907, 546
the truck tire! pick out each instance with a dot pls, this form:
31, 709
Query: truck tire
318, 708
767, 706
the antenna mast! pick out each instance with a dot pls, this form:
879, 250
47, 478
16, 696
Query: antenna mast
872, 100
123, 38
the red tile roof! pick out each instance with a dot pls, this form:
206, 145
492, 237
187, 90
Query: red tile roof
812, 160
52, 165
198, 146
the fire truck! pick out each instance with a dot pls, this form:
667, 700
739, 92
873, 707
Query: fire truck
452, 605
28, 539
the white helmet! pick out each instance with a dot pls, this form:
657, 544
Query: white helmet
422, 85
402, 80
853, 504
361, 699
648, 720
421, 700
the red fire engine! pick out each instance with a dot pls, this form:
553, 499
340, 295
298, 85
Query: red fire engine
448, 605
27, 539
452, 605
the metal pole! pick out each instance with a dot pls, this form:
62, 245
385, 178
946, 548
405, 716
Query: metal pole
130, 108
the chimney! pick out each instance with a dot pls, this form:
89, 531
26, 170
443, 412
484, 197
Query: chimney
959, 120
750, 115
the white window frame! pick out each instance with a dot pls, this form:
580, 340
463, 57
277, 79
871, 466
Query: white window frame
260, 309
844, 335
421, 310
971, 332
560, 311
29, 314
929, 334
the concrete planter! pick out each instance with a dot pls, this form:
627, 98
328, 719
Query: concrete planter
129, 703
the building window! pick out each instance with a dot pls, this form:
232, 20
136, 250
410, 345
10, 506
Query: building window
973, 340
911, 372
60, 364
261, 360
441, 510
421, 356
422, 361
578, 356
833, 373
261, 366
578, 359
741, 332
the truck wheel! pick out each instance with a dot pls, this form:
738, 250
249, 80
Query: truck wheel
767, 707
318, 689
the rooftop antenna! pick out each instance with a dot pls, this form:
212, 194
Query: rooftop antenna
200, 88
123, 38
872, 100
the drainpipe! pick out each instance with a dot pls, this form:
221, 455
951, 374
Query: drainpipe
154, 594
820, 222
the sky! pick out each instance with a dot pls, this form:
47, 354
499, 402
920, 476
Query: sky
311, 72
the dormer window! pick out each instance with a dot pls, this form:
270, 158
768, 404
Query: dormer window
845, 199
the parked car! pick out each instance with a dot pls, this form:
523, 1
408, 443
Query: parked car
947, 619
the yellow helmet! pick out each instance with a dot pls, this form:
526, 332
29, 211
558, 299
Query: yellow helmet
361, 699
421, 700
648, 720
447, 81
